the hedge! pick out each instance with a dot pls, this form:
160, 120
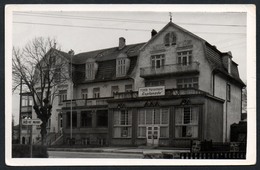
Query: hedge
23, 151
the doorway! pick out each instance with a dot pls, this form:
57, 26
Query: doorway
153, 134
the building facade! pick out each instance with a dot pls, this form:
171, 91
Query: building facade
172, 89
25, 113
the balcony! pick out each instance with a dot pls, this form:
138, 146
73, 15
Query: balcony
126, 95
85, 102
26, 109
172, 69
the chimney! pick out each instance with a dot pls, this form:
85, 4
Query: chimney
229, 61
153, 33
121, 43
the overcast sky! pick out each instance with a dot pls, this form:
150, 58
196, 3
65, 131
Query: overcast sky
86, 31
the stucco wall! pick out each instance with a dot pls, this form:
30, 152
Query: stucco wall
156, 46
233, 112
214, 121
105, 88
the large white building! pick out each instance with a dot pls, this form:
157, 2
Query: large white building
172, 89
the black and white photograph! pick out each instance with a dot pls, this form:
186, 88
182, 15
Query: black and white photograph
130, 85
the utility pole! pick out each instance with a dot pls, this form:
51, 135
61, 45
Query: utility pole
20, 110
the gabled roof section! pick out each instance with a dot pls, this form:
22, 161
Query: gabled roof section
107, 54
218, 62
173, 25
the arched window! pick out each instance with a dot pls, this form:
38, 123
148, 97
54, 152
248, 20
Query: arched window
170, 39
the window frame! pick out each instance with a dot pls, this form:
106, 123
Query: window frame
228, 92
187, 56
90, 73
122, 125
84, 93
180, 82
96, 92
62, 95
114, 89
158, 58
121, 66
161, 124
190, 123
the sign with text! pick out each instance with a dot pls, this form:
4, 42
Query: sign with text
151, 91
31, 122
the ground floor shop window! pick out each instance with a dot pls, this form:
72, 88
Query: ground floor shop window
74, 119
86, 119
102, 118
186, 122
122, 124
153, 116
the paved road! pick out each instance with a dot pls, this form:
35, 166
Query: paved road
67, 154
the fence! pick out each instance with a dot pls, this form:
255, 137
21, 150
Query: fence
213, 155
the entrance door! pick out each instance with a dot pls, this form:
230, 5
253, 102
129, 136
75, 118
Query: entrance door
152, 134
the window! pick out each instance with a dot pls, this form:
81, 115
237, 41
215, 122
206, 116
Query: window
96, 92
57, 75
188, 83
170, 39
27, 101
153, 116
62, 95
128, 87
186, 122
228, 92
90, 73
74, 119
114, 89
84, 93
121, 67
122, 123
153, 83
158, 61
185, 57
86, 119
102, 118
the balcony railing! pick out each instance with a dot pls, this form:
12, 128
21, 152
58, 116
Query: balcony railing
26, 108
86, 102
172, 69
168, 92
126, 95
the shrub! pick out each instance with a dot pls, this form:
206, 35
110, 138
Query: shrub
23, 151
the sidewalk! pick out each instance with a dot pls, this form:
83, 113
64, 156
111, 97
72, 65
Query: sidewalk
133, 150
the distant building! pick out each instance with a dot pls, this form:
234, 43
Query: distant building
26, 113
168, 91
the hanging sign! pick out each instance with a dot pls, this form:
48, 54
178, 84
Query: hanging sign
151, 91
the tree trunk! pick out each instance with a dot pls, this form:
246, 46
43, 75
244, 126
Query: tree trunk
44, 132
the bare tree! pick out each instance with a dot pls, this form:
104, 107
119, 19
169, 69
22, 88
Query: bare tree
41, 68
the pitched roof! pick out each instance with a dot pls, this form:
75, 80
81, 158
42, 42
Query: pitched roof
107, 54
174, 25
218, 61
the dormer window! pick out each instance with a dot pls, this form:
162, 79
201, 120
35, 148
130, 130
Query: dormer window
170, 39
90, 71
121, 67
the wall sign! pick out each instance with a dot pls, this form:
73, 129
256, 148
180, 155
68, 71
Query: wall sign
151, 91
